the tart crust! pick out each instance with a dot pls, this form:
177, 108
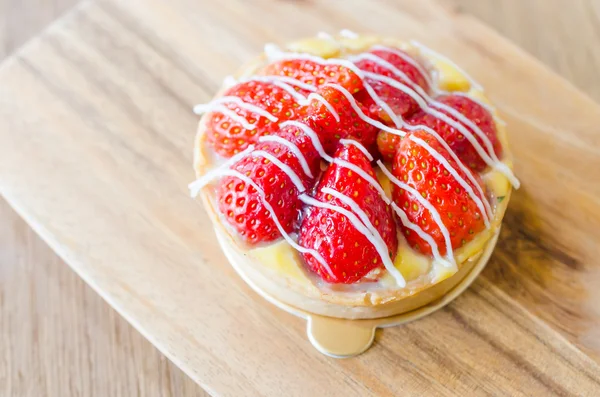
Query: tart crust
382, 302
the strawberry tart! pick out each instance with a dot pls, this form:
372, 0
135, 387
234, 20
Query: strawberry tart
353, 176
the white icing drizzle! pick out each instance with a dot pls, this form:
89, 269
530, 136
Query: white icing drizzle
286, 236
312, 135
363, 174
408, 59
358, 146
458, 161
290, 81
198, 109
379, 245
434, 213
284, 86
273, 52
423, 100
348, 34
435, 54
421, 233
456, 176
205, 179
292, 148
283, 167
410, 88
359, 111
330, 108
389, 265
450, 169
429, 130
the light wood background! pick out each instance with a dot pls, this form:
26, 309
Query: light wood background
57, 337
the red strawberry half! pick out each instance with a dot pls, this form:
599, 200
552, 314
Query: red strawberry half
459, 212
402, 70
474, 112
349, 254
347, 124
314, 73
242, 205
387, 144
228, 137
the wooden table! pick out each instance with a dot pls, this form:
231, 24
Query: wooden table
73, 343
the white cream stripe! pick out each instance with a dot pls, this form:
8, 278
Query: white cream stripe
458, 161
379, 246
360, 113
205, 179
283, 167
423, 104
456, 176
286, 79
423, 100
311, 134
269, 208
358, 146
243, 105
292, 148
319, 98
434, 213
421, 233
387, 262
407, 59
212, 107
363, 174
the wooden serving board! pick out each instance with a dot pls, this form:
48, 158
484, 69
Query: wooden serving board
96, 132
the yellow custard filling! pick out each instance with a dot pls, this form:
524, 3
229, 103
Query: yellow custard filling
415, 267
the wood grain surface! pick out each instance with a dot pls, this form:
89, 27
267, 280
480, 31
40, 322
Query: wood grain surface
555, 288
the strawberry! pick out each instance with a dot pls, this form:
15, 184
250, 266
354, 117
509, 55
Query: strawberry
349, 125
419, 169
455, 139
387, 144
314, 73
348, 253
243, 207
400, 102
229, 137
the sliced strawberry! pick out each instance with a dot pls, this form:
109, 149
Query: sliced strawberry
244, 208
228, 137
347, 125
457, 141
314, 73
419, 169
402, 71
349, 254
